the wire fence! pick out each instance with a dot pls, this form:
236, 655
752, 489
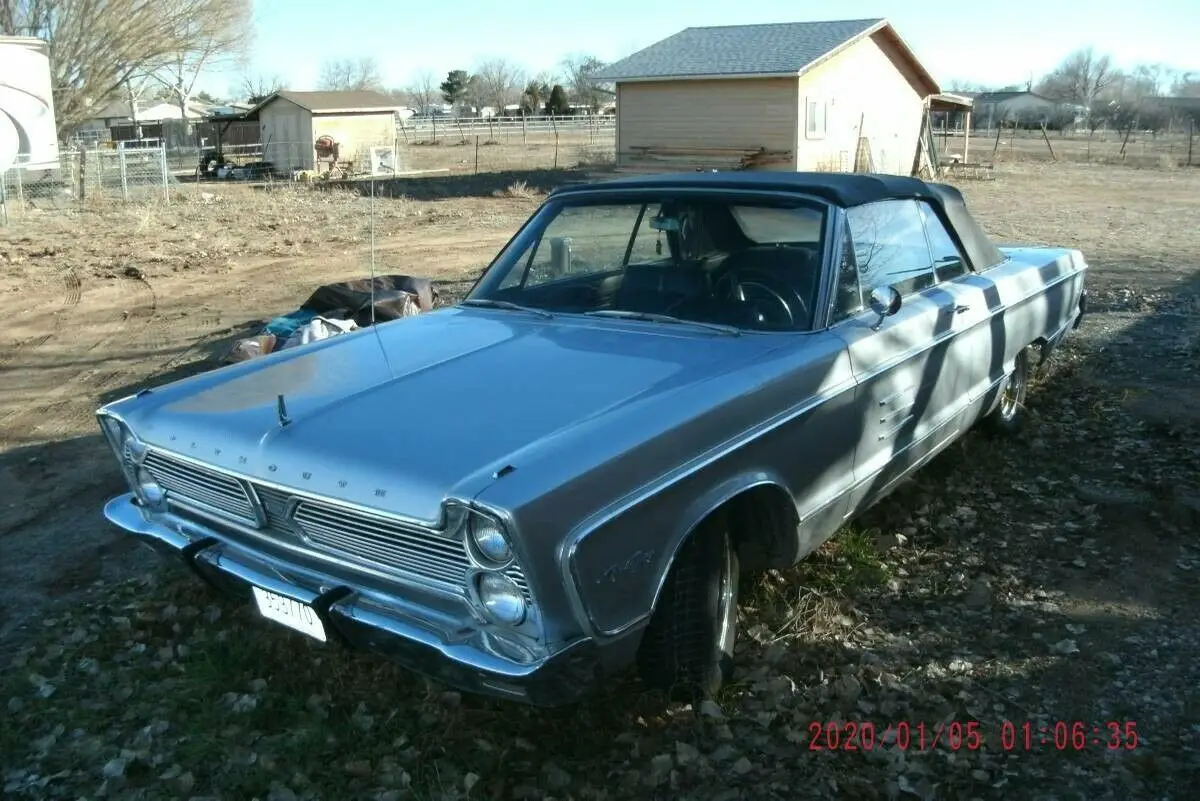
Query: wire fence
1130, 148
507, 129
85, 176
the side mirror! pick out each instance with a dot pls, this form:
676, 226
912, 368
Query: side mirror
560, 256
885, 301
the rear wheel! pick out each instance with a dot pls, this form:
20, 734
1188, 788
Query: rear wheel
1009, 413
687, 648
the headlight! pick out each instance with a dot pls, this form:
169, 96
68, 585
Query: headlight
149, 490
130, 452
501, 599
489, 541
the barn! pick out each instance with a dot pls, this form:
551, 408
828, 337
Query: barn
292, 122
836, 95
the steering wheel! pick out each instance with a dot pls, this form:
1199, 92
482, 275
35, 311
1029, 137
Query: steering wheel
759, 283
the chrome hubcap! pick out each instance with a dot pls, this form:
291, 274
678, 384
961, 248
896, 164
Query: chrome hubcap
1011, 396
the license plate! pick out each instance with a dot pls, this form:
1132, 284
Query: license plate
293, 614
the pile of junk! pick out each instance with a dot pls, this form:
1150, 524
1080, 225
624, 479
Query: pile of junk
338, 309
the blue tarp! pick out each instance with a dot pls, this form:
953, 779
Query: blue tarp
283, 326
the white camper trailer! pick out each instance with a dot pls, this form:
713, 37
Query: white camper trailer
28, 133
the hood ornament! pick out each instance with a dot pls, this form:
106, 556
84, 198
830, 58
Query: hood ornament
281, 410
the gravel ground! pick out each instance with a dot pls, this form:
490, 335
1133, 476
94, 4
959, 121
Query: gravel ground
1019, 620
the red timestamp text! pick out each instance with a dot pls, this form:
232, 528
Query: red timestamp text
972, 735
1069, 735
852, 735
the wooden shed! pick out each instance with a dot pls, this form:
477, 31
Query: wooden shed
842, 95
292, 122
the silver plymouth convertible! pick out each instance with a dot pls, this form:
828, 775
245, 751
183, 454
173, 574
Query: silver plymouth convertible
659, 383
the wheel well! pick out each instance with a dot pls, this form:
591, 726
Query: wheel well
1045, 347
762, 521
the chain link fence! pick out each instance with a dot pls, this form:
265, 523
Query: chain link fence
86, 176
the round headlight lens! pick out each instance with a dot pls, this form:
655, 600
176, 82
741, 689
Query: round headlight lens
149, 490
489, 540
133, 449
501, 599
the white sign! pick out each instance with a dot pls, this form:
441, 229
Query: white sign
383, 161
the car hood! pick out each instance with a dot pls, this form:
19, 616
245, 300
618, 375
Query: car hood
401, 415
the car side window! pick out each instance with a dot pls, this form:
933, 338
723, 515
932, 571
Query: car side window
847, 299
890, 246
948, 260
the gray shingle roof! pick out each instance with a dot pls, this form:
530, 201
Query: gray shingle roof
773, 48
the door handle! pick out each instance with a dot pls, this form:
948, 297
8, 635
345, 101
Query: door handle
960, 308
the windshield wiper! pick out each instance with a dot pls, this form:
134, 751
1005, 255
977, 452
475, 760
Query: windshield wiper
625, 314
490, 303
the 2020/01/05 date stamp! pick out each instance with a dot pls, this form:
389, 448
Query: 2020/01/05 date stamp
972, 735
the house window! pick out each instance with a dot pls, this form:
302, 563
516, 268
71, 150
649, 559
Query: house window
814, 118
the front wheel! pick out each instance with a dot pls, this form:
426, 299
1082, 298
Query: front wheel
687, 648
1009, 413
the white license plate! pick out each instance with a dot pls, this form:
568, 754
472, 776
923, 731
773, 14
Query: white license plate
293, 614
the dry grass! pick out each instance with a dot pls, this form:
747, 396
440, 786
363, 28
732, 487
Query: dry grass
1136, 225
1104, 147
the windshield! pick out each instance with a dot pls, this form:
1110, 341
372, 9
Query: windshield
754, 265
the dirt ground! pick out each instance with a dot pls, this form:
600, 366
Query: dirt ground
1042, 581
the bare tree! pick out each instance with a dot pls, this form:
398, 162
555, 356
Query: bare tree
959, 86
498, 82
1132, 98
424, 91
1080, 78
1186, 84
207, 40
351, 75
585, 90
257, 87
96, 46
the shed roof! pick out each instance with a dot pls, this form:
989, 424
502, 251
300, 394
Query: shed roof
779, 49
328, 102
1000, 97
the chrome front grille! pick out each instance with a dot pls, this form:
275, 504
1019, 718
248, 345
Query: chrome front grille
188, 482
370, 540
386, 543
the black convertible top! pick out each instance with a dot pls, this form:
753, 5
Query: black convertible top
842, 189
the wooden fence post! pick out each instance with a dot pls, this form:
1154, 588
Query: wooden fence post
82, 175
1191, 135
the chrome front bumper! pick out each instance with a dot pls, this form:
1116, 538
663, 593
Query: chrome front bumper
363, 620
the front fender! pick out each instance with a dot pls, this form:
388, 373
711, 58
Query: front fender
616, 564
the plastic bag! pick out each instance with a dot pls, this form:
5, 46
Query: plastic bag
316, 329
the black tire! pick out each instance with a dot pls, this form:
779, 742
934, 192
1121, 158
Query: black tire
1009, 414
687, 648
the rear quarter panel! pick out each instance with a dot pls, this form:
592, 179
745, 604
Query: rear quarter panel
1033, 295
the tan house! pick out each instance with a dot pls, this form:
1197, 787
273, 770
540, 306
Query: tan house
292, 122
832, 96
